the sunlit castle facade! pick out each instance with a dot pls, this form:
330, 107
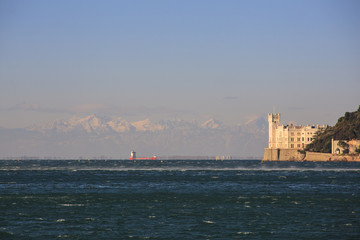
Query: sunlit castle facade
290, 136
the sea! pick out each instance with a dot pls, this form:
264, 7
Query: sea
179, 199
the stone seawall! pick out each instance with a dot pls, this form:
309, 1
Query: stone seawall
320, 157
277, 154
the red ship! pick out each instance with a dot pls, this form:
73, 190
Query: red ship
133, 157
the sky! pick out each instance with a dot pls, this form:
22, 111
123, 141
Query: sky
192, 60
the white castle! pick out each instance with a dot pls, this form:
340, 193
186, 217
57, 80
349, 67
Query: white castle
290, 136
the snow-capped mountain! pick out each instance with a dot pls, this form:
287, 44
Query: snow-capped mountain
211, 124
147, 125
89, 124
255, 125
95, 124
98, 125
120, 125
115, 137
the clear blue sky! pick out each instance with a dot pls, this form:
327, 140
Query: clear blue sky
230, 60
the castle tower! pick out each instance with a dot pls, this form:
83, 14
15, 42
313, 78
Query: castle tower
273, 120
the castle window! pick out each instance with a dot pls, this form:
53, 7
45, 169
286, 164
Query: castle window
298, 145
292, 139
292, 145
302, 139
308, 139
298, 139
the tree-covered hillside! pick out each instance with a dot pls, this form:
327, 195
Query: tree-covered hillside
347, 128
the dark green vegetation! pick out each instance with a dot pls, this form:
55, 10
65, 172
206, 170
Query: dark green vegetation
347, 128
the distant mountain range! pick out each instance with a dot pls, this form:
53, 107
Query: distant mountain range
93, 136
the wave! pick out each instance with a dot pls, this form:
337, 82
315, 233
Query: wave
173, 165
182, 169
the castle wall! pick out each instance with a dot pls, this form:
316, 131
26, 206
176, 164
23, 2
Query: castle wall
319, 157
277, 154
272, 154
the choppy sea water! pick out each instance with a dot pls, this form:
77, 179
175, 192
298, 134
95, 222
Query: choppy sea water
233, 199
